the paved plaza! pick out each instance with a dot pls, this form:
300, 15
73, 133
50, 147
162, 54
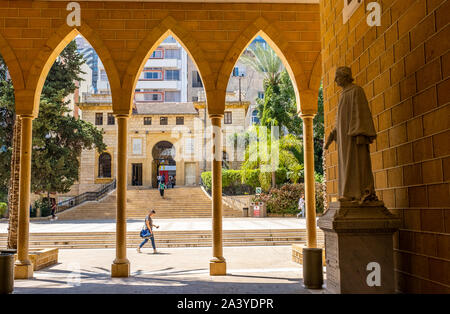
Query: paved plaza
250, 270
241, 223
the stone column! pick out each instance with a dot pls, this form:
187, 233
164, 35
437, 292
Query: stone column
121, 265
217, 265
310, 199
23, 267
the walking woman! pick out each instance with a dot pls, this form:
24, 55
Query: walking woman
148, 232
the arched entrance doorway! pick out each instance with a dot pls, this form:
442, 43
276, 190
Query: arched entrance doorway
164, 163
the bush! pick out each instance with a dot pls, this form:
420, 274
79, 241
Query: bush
284, 200
3, 209
44, 207
207, 179
251, 178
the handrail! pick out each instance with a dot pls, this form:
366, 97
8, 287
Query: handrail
85, 197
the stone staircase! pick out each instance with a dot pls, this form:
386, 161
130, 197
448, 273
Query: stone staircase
180, 202
168, 239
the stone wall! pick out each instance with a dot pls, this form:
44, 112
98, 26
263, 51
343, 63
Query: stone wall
404, 67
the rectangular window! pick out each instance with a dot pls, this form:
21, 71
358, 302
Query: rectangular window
111, 120
236, 71
172, 75
103, 76
157, 54
261, 95
180, 120
147, 121
99, 119
152, 96
163, 121
172, 54
194, 98
228, 119
153, 75
172, 96
196, 80
137, 146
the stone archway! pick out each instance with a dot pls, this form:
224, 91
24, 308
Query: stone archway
163, 163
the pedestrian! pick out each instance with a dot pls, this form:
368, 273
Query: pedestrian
174, 181
161, 188
147, 232
158, 178
53, 204
163, 179
171, 182
301, 206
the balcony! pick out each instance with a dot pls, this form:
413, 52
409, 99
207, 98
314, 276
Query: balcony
147, 84
163, 63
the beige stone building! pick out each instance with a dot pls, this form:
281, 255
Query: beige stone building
170, 138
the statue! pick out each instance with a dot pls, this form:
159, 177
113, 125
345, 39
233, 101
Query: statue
354, 131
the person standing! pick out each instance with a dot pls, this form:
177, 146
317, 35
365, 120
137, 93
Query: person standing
53, 209
161, 188
149, 232
301, 206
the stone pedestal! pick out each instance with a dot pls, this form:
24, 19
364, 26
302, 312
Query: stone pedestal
359, 247
217, 267
120, 270
23, 271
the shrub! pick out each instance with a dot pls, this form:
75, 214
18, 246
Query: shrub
207, 179
251, 178
284, 200
44, 207
3, 209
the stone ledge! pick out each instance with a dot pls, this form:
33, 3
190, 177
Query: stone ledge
297, 253
42, 258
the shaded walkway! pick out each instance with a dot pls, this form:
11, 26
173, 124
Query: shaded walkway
251, 270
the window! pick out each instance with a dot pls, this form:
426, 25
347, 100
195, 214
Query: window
196, 80
103, 76
153, 96
153, 75
236, 71
180, 120
225, 164
255, 119
172, 75
163, 121
147, 121
172, 96
111, 120
172, 54
228, 119
261, 95
194, 98
137, 146
99, 119
157, 54
104, 165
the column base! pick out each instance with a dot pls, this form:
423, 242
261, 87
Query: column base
120, 270
23, 271
217, 268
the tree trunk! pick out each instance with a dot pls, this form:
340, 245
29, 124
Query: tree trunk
13, 197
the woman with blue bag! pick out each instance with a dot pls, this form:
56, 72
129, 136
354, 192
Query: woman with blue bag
147, 232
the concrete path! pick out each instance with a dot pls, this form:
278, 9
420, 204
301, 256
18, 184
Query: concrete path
165, 225
250, 270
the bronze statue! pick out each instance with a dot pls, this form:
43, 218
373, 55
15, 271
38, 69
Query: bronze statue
354, 131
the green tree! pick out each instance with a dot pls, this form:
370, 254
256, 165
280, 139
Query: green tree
58, 138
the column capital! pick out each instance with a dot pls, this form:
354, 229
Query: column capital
121, 115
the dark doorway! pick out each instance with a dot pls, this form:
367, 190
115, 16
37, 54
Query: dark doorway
136, 178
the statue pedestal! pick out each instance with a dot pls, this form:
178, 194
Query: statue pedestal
359, 247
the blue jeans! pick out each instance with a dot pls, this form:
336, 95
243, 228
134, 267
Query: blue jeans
146, 240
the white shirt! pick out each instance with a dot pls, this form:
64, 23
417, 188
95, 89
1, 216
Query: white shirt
301, 203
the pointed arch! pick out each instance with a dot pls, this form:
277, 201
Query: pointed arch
55, 45
274, 37
13, 65
316, 74
168, 26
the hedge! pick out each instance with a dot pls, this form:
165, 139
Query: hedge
3, 209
